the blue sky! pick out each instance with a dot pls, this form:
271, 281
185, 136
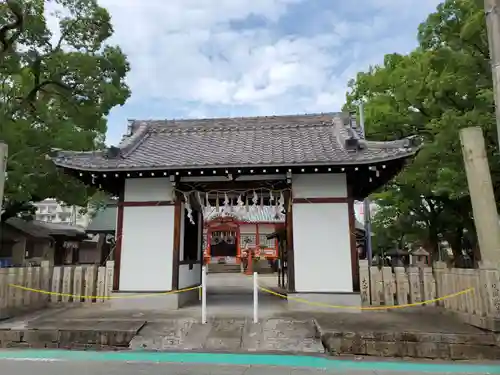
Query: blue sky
209, 58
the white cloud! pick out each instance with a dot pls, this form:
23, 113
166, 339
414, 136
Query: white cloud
195, 58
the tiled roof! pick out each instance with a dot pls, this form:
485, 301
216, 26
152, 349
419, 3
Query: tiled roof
313, 140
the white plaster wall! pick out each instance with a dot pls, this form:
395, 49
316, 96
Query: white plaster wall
322, 250
147, 248
321, 239
148, 189
321, 185
189, 277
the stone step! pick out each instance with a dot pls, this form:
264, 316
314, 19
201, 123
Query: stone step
223, 268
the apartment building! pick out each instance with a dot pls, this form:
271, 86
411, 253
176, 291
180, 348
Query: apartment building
52, 211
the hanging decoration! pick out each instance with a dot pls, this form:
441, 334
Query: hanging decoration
281, 203
234, 203
188, 209
208, 206
227, 206
239, 203
255, 199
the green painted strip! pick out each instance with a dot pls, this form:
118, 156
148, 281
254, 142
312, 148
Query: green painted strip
250, 359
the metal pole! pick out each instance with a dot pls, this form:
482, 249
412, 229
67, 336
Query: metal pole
366, 202
492, 12
204, 295
255, 298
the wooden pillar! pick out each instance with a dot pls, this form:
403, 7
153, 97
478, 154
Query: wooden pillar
238, 244
257, 236
353, 248
289, 241
481, 193
177, 242
117, 254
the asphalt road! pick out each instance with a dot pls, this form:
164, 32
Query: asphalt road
16, 367
62, 362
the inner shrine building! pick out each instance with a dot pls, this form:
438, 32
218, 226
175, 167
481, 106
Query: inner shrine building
309, 168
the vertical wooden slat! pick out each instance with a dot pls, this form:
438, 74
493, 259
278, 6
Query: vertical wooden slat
376, 285
364, 277
101, 287
90, 283
28, 283
414, 280
110, 265
388, 285
12, 292
427, 281
439, 270
67, 283
78, 284
401, 285
36, 298
20, 294
56, 284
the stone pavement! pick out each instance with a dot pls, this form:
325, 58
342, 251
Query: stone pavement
231, 335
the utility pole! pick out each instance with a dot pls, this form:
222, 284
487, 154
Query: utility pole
366, 202
3, 171
492, 13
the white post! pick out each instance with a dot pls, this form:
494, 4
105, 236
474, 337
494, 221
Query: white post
204, 295
255, 298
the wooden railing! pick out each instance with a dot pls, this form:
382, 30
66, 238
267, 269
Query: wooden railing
29, 288
479, 306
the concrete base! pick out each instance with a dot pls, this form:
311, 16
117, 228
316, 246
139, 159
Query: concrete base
351, 301
150, 301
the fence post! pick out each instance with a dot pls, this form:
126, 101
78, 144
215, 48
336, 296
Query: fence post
255, 298
204, 295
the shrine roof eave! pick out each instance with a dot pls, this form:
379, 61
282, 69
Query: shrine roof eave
243, 168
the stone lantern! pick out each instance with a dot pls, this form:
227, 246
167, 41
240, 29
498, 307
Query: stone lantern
419, 257
397, 257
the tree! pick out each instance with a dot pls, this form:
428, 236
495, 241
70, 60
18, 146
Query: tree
441, 87
56, 89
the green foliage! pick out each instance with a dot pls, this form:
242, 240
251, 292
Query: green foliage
442, 86
56, 89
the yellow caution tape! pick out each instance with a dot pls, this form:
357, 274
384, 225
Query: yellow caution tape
320, 304
102, 297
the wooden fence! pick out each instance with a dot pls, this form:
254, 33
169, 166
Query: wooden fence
66, 284
389, 286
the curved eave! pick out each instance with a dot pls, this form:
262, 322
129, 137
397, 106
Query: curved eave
333, 163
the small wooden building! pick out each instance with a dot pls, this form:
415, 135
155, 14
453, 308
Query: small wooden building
310, 167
